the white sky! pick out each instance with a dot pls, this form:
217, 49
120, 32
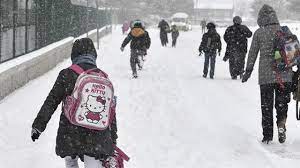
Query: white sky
216, 3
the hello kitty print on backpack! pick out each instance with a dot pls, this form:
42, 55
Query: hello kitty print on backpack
92, 102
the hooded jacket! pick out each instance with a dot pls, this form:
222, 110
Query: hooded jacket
263, 42
140, 39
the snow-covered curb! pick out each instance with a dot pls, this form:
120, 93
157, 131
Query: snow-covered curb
17, 72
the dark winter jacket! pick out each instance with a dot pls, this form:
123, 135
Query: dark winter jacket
164, 26
236, 38
211, 42
74, 140
140, 39
263, 42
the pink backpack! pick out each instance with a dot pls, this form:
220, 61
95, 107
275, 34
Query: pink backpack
116, 161
92, 102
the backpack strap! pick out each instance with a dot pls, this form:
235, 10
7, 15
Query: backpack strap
97, 70
76, 68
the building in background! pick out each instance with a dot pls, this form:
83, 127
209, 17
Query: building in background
219, 12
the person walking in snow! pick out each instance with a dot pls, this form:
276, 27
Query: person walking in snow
237, 45
140, 43
263, 43
125, 27
211, 43
164, 29
175, 34
203, 25
73, 142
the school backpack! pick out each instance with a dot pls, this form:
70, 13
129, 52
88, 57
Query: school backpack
212, 42
286, 52
287, 49
116, 161
92, 102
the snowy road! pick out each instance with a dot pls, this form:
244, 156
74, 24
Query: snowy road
170, 117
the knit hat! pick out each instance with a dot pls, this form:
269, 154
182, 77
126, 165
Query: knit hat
237, 20
210, 25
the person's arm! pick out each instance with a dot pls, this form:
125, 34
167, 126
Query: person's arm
226, 35
56, 95
253, 52
219, 45
203, 43
127, 40
114, 130
148, 40
252, 57
247, 32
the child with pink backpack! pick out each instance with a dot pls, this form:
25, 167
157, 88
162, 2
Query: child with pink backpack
87, 128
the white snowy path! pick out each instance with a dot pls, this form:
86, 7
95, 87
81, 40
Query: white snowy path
170, 117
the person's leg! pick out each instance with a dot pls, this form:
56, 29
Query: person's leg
206, 64
167, 38
90, 162
267, 104
236, 65
282, 98
231, 67
212, 65
161, 39
240, 63
71, 163
133, 62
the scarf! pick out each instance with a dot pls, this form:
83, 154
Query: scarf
85, 59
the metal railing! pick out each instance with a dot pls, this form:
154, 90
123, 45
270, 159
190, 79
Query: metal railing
27, 25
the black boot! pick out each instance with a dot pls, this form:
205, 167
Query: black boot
267, 140
281, 135
134, 75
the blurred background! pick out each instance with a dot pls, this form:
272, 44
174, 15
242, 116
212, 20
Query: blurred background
27, 25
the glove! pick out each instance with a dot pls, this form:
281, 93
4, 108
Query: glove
200, 54
225, 59
122, 49
35, 134
219, 53
246, 75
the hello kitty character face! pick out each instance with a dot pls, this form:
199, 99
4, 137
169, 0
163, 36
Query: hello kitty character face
96, 104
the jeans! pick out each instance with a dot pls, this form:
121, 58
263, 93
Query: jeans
210, 58
136, 59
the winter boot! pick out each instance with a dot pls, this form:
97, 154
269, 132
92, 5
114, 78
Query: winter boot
204, 75
134, 75
281, 131
234, 78
267, 140
281, 135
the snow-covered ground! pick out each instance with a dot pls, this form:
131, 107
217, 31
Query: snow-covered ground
170, 117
